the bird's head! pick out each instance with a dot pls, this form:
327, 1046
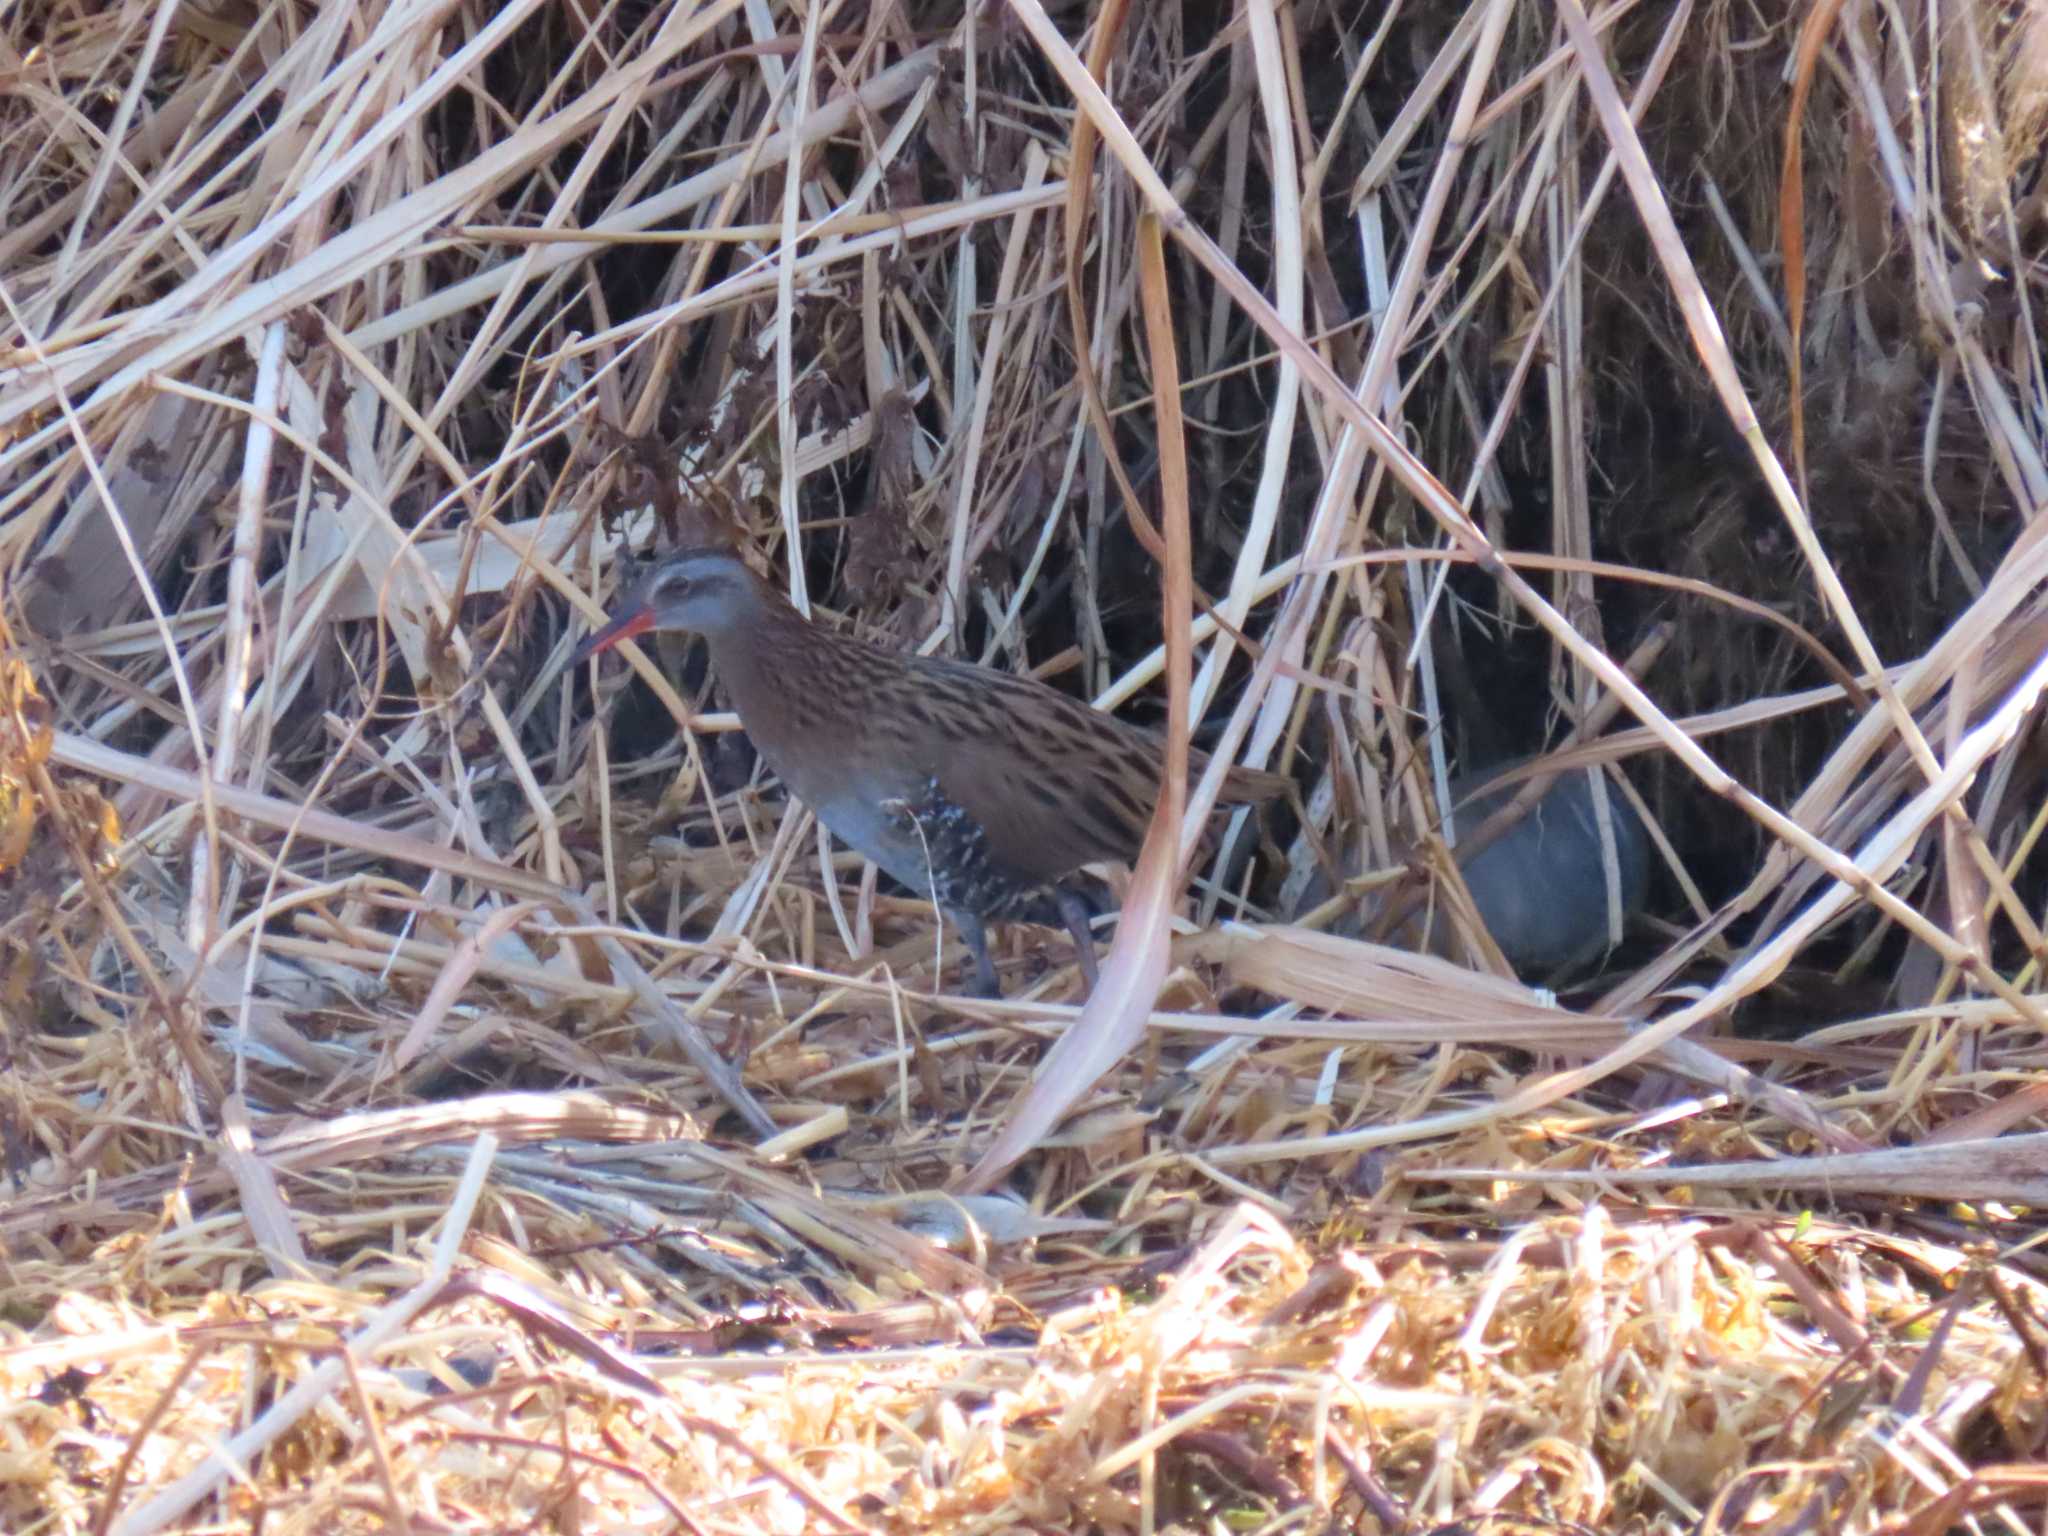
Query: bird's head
698, 591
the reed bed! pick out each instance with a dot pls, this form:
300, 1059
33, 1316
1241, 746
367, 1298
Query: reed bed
448, 1091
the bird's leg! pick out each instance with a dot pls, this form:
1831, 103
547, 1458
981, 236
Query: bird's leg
1075, 914
975, 936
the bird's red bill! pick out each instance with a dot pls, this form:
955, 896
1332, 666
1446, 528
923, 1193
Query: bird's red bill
624, 627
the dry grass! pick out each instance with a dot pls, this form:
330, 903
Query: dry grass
437, 1100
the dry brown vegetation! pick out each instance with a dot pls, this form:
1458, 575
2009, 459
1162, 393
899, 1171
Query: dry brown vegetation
472, 1104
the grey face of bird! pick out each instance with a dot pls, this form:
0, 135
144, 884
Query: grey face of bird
700, 592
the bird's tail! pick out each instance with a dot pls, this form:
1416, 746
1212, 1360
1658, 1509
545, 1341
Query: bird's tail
1250, 786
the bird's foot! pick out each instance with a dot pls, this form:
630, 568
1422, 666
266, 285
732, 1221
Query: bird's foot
975, 936
1074, 912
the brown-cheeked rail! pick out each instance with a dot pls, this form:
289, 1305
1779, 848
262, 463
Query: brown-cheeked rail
983, 790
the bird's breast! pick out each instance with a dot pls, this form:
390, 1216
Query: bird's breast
876, 830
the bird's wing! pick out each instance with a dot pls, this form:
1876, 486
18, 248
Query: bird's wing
1051, 783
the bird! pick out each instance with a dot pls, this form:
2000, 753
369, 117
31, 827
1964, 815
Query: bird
983, 790
1540, 886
